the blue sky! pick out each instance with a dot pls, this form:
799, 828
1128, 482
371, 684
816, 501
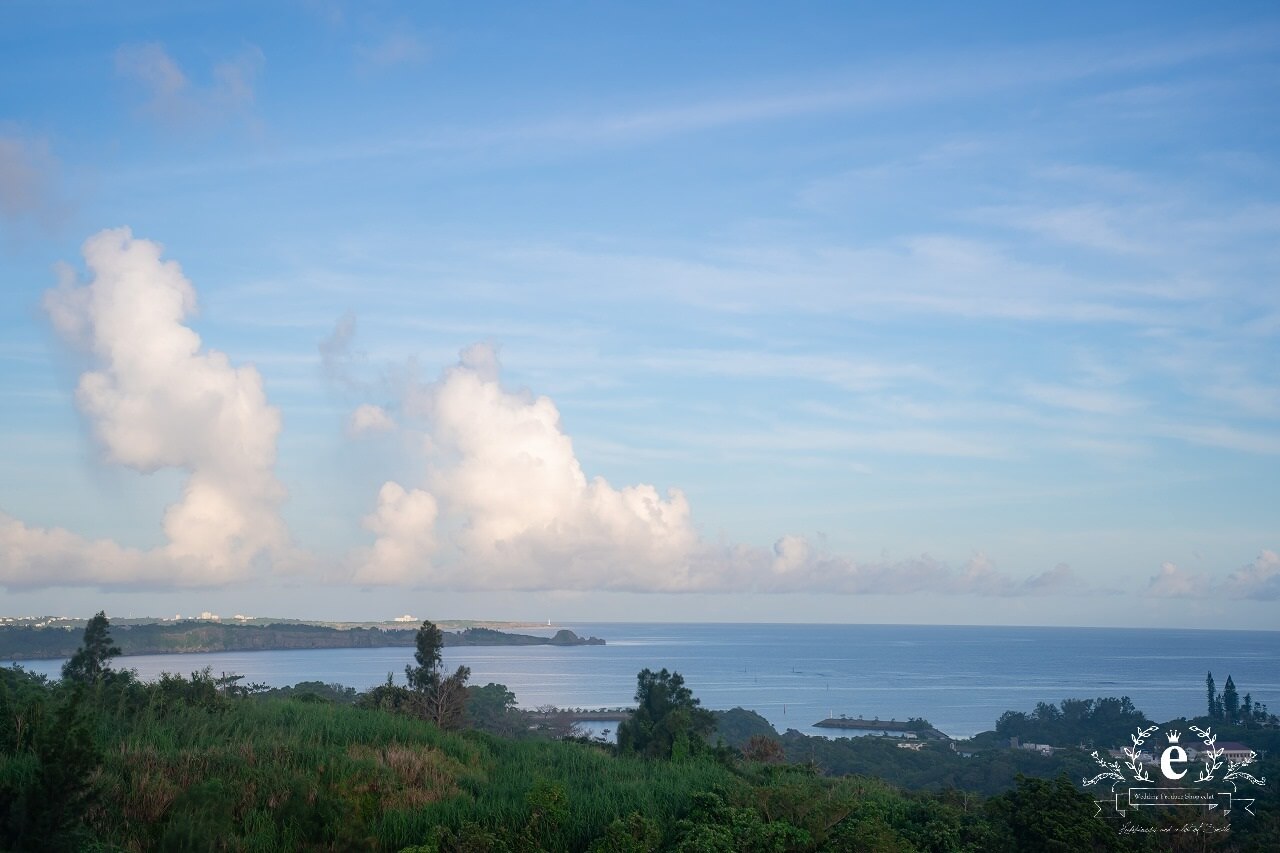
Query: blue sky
802, 312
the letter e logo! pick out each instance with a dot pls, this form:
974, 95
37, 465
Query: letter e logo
1172, 755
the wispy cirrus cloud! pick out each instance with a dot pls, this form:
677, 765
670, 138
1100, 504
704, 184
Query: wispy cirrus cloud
400, 47
850, 374
170, 96
910, 82
1090, 400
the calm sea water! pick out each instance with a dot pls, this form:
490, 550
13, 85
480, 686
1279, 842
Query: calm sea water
959, 678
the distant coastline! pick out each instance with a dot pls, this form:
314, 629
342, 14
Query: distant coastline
28, 642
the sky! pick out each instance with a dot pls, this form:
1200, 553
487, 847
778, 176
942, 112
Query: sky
804, 312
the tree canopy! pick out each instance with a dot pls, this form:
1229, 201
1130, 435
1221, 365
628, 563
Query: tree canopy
429, 642
92, 661
668, 721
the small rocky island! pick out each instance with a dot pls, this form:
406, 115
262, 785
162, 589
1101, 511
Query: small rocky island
28, 642
490, 637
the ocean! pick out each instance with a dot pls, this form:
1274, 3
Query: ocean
960, 678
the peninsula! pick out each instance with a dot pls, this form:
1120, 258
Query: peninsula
28, 642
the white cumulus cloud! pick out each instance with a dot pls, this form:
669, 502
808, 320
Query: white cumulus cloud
155, 399
369, 418
523, 513
1174, 582
404, 523
1259, 580
512, 508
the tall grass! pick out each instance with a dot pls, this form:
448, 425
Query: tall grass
291, 775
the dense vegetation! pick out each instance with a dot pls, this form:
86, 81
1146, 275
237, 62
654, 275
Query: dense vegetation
99, 761
27, 642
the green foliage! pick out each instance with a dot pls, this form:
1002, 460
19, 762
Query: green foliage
633, 834
548, 805
202, 818
492, 708
439, 698
668, 721
1104, 722
48, 754
387, 696
190, 763
764, 749
200, 691
715, 826
428, 642
737, 726
1226, 707
1053, 816
1230, 702
312, 691
92, 661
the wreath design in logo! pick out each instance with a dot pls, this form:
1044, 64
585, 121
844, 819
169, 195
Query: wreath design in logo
1211, 756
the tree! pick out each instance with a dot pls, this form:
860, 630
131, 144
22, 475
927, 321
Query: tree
429, 642
1213, 696
446, 703
1230, 701
668, 721
91, 662
633, 834
1044, 814
764, 749
49, 756
439, 698
492, 708
555, 723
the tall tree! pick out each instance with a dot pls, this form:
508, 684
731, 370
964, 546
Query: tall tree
1213, 696
429, 642
439, 698
668, 721
1230, 702
92, 661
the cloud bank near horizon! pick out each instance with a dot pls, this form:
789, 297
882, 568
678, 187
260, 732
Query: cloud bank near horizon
1257, 581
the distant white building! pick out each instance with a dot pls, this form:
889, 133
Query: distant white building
405, 618
210, 617
1235, 751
